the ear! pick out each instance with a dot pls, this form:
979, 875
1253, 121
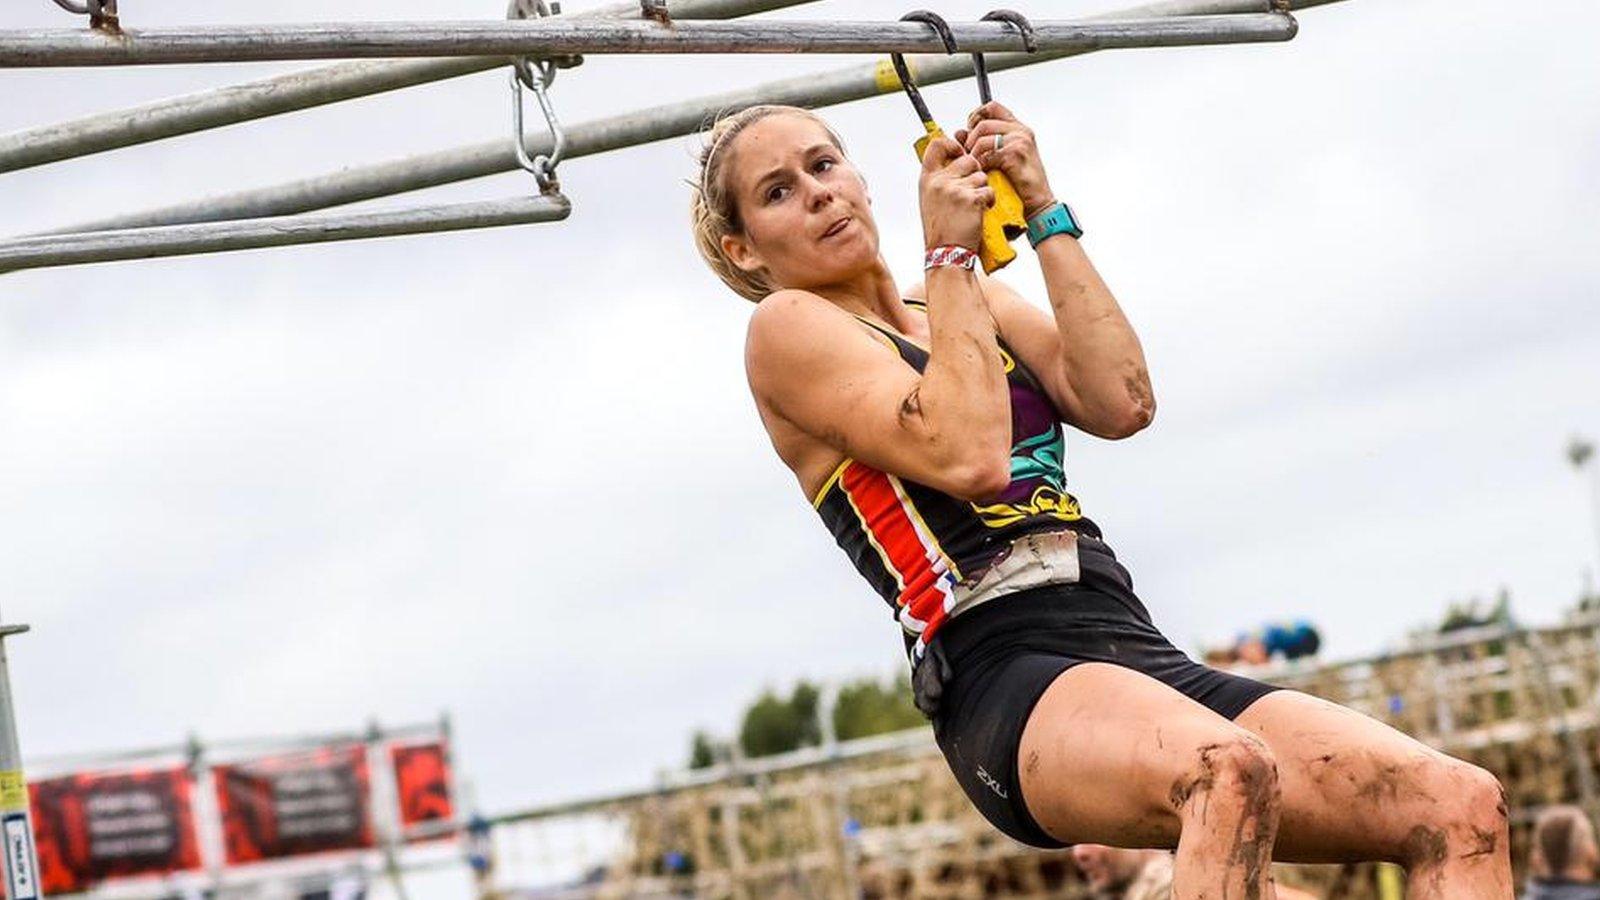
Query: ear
738, 250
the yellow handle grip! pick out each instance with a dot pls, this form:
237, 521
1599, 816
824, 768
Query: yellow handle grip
1003, 222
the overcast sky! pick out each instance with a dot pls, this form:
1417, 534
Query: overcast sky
517, 475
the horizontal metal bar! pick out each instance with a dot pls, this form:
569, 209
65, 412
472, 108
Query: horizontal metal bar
557, 36
1213, 7
294, 91
279, 231
672, 120
911, 742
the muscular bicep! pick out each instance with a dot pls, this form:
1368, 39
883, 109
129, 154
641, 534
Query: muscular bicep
824, 373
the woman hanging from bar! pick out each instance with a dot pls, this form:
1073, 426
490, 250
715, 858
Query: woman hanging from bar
926, 425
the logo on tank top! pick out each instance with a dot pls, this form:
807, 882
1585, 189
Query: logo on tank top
1038, 483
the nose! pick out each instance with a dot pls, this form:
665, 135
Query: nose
818, 193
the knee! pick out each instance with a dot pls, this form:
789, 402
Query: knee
1238, 766
1479, 806
1469, 817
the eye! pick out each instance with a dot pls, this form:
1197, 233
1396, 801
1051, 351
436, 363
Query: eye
775, 193
823, 164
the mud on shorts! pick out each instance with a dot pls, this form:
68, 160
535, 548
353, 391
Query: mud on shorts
990, 664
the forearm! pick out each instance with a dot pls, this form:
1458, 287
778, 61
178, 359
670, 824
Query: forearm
962, 399
1100, 359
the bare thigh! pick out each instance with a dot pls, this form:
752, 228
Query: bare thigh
1107, 752
1352, 787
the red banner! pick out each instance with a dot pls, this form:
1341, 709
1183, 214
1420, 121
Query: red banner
291, 805
88, 828
422, 779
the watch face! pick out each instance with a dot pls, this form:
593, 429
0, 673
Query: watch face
1058, 219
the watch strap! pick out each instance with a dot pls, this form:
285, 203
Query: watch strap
1057, 218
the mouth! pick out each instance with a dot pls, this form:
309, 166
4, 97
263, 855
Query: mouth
837, 227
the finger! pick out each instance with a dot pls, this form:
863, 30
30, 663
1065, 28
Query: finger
982, 136
961, 137
977, 179
941, 151
986, 196
965, 164
994, 109
974, 136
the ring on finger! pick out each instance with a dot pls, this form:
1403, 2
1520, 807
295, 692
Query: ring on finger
999, 139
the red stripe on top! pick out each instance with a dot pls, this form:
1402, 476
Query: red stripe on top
874, 497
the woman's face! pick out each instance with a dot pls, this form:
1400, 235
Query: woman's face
807, 218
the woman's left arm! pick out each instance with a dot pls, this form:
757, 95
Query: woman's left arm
1089, 359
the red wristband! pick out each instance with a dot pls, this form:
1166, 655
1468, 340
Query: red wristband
949, 255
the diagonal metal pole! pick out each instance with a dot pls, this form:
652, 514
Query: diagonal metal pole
294, 91
279, 231
16, 828
646, 126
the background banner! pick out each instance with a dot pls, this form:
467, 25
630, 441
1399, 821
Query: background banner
290, 805
422, 779
91, 827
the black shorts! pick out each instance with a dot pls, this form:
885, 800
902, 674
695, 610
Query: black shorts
994, 661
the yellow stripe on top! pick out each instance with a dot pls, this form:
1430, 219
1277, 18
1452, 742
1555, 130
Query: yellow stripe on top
822, 493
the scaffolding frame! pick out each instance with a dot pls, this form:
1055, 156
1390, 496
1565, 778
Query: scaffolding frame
348, 81
267, 217
292, 92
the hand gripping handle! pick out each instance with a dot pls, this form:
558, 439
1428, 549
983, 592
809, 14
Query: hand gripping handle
1006, 220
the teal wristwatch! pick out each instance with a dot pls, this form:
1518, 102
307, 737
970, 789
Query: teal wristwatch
1057, 218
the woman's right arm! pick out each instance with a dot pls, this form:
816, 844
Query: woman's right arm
948, 427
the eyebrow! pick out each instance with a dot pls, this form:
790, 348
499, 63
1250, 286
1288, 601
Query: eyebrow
809, 151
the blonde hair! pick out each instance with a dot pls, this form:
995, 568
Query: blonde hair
715, 211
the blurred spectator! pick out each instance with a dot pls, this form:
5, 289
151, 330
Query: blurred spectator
1289, 640
1565, 863
1118, 874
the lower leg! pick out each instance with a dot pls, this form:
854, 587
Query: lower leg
1228, 807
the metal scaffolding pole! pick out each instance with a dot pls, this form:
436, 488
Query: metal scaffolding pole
294, 91
559, 36
671, 120
246, 234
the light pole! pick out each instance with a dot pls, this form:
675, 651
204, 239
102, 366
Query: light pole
21, 865
1580, 452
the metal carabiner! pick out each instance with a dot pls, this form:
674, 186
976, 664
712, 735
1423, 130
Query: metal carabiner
542, 166
538, 75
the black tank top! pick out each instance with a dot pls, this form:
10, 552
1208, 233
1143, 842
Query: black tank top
914, 544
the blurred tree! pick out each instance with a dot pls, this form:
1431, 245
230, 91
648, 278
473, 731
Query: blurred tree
706, 751
1471, 615
775, 725
868, 706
